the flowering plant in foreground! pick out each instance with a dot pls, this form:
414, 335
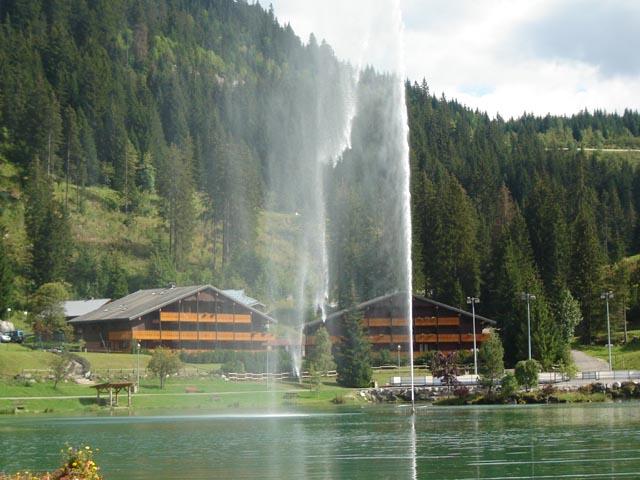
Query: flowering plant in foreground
78, 464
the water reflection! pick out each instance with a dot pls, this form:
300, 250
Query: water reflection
413, 442
598, 441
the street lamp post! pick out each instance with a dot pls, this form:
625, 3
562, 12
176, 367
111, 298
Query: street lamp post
399, 348
528, 297
606, 296
8, 313
138, 365
472, 301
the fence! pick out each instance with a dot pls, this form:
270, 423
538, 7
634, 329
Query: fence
610, 375
283, 376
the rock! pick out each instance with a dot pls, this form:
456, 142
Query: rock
6, 326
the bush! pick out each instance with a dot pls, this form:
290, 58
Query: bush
163, 363
383, 357
508, 385
461, 392
233, 366
527, 372
78, 464
425, 358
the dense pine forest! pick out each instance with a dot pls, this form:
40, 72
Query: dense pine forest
136, 150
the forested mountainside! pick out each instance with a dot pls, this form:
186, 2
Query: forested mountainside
507, 207
136, 148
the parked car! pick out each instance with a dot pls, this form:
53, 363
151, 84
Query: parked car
17, 336
5, 337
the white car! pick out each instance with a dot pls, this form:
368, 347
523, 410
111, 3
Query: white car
4, 337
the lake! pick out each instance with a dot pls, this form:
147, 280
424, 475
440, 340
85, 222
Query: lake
590, 441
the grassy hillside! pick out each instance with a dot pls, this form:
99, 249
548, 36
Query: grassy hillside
100, 227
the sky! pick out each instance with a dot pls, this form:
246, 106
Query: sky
500, 56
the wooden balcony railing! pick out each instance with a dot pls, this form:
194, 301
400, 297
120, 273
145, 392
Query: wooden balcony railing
379, 322
437, 321
190, 336
204, 317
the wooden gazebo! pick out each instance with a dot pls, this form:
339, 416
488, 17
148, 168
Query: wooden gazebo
114, 388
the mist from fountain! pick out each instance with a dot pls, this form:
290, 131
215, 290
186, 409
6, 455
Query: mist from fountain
355, 129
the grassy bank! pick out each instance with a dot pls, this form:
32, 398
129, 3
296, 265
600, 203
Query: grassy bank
179, 394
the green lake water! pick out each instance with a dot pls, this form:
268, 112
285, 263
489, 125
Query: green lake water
592, 441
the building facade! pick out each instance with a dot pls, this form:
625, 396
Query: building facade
436, 326
185, 318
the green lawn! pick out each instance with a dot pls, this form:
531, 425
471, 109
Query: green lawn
203, 392
14, 358
211, 393
115, 360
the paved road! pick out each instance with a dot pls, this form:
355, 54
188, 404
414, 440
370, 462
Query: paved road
587, 363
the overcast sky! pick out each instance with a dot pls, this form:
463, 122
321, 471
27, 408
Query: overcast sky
505, 56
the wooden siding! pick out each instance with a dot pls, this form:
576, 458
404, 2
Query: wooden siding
379, 322
437, 321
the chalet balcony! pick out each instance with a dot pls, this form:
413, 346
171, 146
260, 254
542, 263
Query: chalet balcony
204, 317
189, 335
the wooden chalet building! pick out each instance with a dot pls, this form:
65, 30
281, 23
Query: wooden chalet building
436, 326
191, 318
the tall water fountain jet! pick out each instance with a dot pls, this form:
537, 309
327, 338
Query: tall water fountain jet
324, 109
343, 183
406, 197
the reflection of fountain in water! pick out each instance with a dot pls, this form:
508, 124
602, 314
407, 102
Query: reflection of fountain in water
414, 462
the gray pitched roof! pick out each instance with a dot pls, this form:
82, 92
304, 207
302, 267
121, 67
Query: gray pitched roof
388, 296
241, 297
142, 302
76, 308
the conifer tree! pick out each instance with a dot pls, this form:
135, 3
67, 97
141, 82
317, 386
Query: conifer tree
353, 351
586, 267
321, 357
6, 275
48, 228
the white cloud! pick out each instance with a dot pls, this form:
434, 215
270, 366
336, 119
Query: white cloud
501, 56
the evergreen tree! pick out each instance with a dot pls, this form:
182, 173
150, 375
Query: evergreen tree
178, 202
321, 359
353, 351
451, 266
6, 275
546, 221
491, 361
47, 313
48, 228
586, 265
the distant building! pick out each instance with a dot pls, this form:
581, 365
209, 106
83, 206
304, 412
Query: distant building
199, 317
77, 308
436, 326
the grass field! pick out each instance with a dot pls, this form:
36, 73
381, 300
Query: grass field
204, 392
179, 394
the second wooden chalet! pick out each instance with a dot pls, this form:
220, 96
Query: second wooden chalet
436, 326
199, 317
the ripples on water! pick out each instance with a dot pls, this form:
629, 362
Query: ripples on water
595, 441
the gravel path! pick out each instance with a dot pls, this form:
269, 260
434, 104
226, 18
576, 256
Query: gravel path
587, 363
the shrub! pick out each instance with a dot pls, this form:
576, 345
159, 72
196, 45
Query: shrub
508, 385
461, 392
527, 372
78, 463
163, 363
233, 366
